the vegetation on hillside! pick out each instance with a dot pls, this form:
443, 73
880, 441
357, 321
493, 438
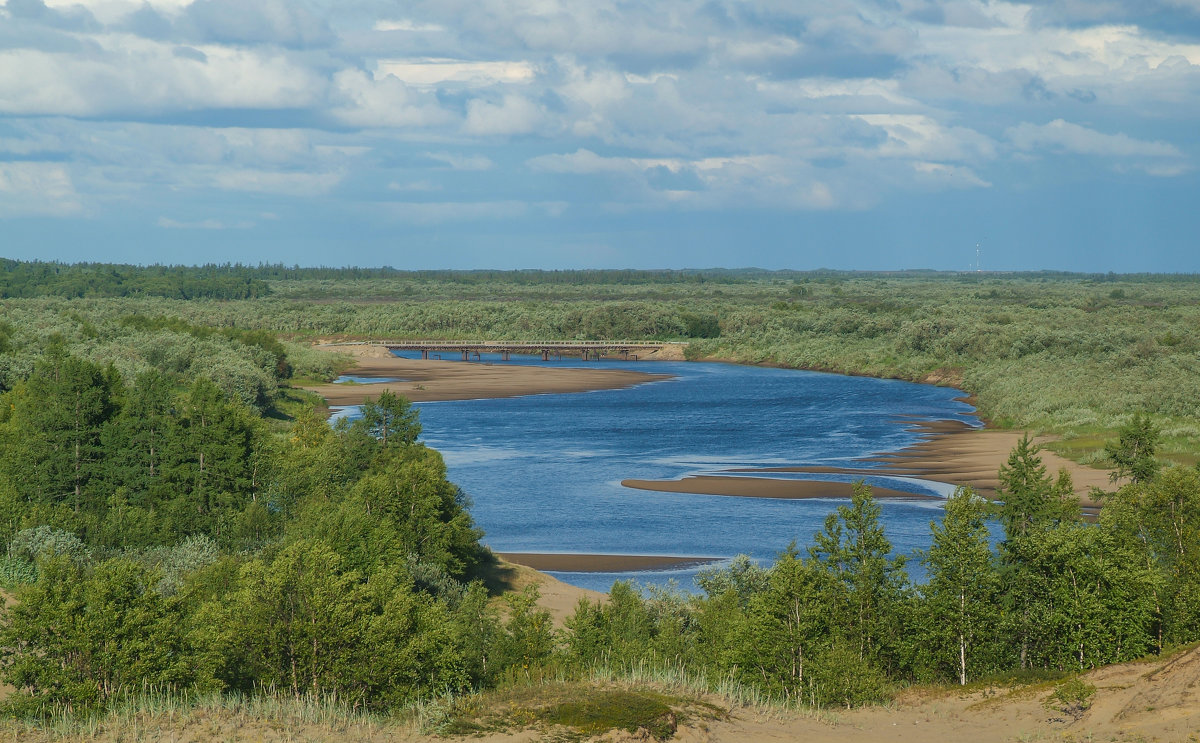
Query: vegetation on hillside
178, 519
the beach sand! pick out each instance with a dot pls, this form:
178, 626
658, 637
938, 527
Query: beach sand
578, 563
954, 453
765, 487
426, 381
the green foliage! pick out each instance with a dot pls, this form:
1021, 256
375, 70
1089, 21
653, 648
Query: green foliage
36, 279
843, 677
1072, 697
958, 621
42, 542
301, 622
526, 640
1158, 524
1030, 499
79, 637
1133, 454
742, 576
866, 586
391, 419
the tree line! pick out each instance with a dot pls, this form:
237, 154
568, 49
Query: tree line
50, 278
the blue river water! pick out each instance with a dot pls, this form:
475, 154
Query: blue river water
544, 471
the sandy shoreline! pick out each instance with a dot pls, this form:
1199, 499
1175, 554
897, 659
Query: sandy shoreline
579, 563
949, 452
428, 381
766, 487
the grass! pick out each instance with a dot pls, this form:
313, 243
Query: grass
153, 715
571, 711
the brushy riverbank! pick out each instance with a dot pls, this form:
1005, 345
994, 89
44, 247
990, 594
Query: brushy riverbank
1070, 354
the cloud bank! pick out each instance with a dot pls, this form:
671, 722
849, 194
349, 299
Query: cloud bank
196, 115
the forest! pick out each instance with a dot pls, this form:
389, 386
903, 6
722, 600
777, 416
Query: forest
179, 516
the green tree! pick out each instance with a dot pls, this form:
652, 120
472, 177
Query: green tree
1159, 523
79, 637
1133, 453
867, 585
136, 440
1026, 491
787, 627
53, 434
391, 419
209, 462
412, 509
959, 605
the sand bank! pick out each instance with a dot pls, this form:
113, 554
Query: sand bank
425, 381
765, 487
577, 563
954, 453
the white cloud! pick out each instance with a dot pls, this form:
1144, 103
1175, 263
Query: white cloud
456, 161
204, 224
432, 72
274, 182
406, 25
513, 115
385, 102
924, 138
459, 211
37, 189
1063, 136
130, 75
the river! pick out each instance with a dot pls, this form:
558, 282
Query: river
544, 471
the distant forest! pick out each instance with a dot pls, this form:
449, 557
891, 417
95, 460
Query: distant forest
23, 279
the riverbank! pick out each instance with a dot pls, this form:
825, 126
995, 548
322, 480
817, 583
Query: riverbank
431, 381
948, 452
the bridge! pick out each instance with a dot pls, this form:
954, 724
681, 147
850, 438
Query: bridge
586, 350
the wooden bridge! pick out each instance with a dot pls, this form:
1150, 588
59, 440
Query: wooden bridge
586, 350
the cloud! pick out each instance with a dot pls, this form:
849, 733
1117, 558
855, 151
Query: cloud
513, 115
432, 72
368, 102
126, 75
274, 182
204, 224
441, 212
499, 108
262, 21
1063, 136
458, 161
37, 189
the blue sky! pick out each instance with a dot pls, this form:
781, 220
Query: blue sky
857, 134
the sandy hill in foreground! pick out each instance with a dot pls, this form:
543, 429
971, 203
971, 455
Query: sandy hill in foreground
1153, 700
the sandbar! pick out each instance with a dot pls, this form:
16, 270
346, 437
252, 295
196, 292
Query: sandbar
432, 380
954, 453
580, 563
766, 487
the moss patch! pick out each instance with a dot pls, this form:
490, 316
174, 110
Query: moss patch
574, 711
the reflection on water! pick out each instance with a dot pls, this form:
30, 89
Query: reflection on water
544, 471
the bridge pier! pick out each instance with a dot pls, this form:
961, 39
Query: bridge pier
504, 355
424, 354
466, 354
545, 354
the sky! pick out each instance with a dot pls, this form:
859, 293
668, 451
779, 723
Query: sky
802, 134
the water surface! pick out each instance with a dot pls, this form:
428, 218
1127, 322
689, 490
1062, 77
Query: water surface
544, 471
